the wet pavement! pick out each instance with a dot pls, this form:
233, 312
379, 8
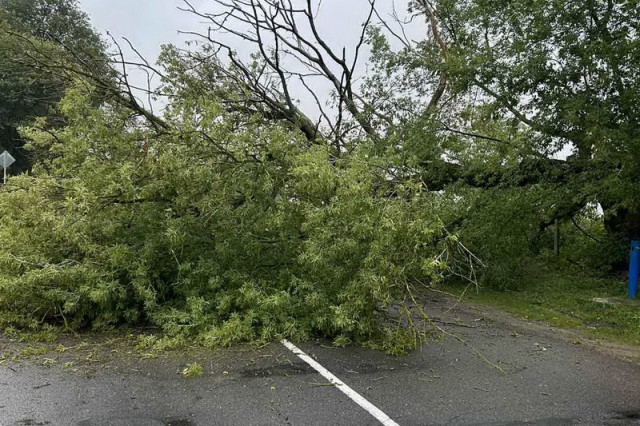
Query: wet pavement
546, 379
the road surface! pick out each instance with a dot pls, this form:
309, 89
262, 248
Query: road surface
547, 379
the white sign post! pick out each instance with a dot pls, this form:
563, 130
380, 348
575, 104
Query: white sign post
6, 160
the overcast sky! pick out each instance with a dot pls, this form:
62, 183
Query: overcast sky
147, 23
150, 23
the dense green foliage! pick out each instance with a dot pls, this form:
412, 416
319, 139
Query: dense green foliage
231, 218
54, 20
225, 231
29, 31
526, 80
569, 72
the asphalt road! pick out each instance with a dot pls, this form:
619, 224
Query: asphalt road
547, 379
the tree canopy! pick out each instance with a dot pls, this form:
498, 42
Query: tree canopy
569, 72
28, 30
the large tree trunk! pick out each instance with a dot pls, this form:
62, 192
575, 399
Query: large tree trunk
621, 222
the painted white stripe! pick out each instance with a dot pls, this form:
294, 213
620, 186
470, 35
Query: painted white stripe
355, 396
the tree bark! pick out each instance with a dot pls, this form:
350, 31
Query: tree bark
621, 222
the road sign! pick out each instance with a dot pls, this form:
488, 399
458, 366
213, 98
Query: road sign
6, 159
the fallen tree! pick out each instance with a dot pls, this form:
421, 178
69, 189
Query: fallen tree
237, 216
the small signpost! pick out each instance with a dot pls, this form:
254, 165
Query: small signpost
6, 160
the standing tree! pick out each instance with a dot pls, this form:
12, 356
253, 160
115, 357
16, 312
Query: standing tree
567, 72
29, 90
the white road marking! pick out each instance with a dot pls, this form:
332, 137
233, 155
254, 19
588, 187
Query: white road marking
355, 396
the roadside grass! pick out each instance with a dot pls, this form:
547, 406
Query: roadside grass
564, 297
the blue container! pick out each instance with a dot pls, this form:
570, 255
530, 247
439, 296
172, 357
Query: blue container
634, 268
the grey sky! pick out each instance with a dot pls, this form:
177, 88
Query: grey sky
150, 23
147, 23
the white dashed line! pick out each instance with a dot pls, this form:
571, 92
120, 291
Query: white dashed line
355, 396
